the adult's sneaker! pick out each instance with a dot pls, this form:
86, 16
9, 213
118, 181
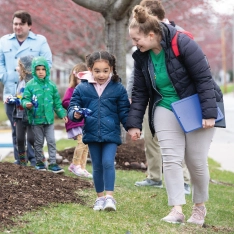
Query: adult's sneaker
174, 217
40, 166
109, 204
55, 168
187, 189
149, 182
99, 203
198, 215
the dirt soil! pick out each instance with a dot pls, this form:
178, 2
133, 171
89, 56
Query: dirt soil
130, 155
24, 189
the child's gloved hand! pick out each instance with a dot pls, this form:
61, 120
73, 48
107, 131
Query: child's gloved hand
84, 112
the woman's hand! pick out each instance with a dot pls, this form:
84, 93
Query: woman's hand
208, 123
135, 133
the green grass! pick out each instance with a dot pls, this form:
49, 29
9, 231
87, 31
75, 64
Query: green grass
229, 88
139, 210
3, 116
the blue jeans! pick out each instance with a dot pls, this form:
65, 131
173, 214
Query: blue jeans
103, 162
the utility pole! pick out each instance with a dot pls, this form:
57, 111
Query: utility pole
224, 65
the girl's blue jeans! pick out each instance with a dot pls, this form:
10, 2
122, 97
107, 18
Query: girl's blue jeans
103, 162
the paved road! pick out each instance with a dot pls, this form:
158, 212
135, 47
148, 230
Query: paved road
222, 147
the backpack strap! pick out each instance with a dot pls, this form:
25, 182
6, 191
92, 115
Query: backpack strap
174, 43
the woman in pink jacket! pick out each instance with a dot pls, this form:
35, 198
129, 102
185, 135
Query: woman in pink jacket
74, 129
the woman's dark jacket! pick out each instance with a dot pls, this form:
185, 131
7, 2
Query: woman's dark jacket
189, 74
108, 111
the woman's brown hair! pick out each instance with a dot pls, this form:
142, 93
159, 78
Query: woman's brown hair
145, 22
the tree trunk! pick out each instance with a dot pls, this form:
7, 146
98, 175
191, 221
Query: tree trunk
116, 40
116, 15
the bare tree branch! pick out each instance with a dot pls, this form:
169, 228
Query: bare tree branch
101, 6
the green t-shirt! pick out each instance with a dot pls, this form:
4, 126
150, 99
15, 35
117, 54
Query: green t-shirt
163, 83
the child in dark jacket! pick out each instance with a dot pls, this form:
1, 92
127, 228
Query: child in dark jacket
41, 98
101, 92
74, 129
20, 115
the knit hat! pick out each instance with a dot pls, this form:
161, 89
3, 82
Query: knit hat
25, 67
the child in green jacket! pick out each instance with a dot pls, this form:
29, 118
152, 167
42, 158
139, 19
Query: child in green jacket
41, 99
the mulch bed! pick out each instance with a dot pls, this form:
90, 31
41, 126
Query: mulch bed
129, 156
24, 189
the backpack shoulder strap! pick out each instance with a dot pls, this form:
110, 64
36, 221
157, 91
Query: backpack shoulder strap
174, 44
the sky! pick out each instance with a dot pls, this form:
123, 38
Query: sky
223, 6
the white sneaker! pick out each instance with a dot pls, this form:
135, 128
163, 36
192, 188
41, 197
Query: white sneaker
109, 203
76, 170
99, 203
87, 174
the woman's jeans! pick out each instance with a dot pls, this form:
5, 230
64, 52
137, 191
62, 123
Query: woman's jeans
103, 162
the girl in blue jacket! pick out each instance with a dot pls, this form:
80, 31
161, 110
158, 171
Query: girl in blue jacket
101, 92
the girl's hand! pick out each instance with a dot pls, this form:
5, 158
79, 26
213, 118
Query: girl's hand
65, 119
77, 115
135, 133
208, 123
29, 105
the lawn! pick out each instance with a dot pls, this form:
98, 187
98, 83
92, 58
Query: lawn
139, 210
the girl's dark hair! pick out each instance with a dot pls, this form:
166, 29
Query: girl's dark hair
106, 56
24, 16
154, 7
145, 22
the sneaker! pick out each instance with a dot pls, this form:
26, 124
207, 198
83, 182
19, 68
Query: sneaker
76, 170
99, 203
55, 168
174, 217
198, 215
187, 189
87, 174
40, 166
109, 204
149, 182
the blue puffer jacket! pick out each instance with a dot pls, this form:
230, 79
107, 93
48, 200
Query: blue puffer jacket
189, 75
108, 111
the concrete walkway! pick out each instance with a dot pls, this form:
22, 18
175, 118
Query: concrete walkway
222, 147
6, 141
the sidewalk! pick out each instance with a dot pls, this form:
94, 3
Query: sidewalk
6, 141
222, 147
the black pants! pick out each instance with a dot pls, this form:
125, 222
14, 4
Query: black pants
21, 132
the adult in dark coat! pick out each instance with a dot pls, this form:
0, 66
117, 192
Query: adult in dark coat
161, 78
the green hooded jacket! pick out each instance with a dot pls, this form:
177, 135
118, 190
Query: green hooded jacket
47, 96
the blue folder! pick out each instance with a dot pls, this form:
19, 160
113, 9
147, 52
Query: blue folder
189, 113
